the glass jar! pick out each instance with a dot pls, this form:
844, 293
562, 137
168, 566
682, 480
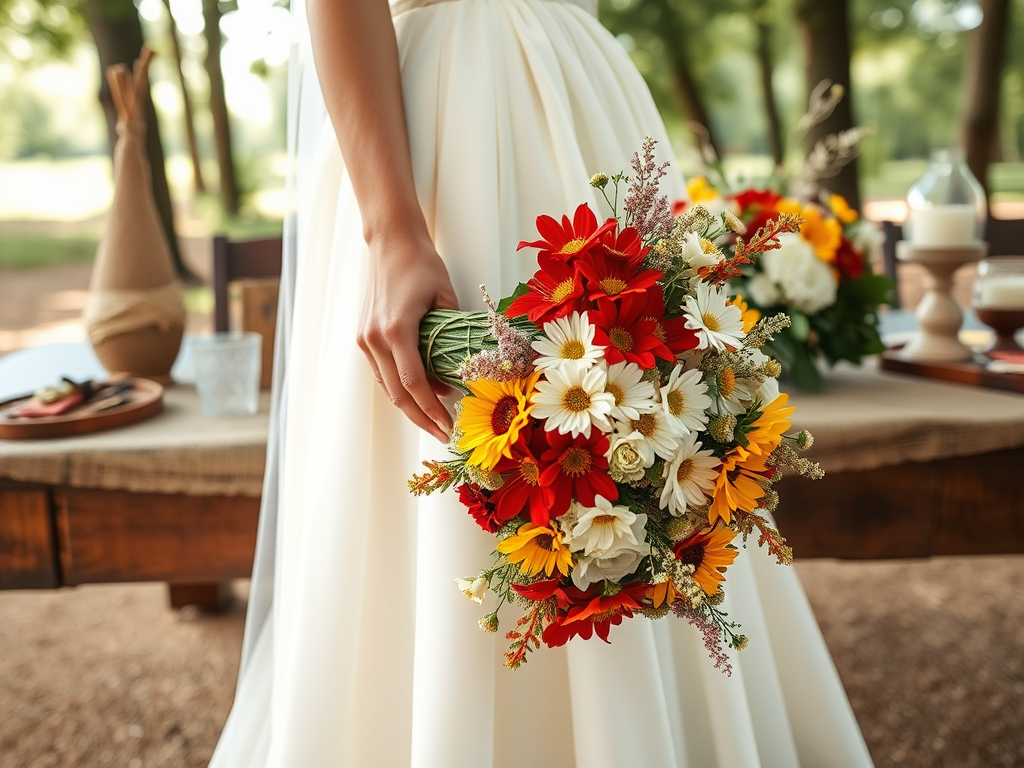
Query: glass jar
947, 205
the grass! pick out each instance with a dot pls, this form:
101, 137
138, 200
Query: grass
34, 251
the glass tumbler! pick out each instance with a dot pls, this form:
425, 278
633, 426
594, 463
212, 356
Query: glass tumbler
227, 369
999, 298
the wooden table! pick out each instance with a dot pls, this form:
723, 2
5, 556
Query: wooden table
882, 497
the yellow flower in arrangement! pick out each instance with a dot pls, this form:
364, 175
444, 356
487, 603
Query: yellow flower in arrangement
663, 594
492, 416
537, 550
700, 191
738, 486
824, 234
766, 432
750, 315
709, 554
789, 205
842, 210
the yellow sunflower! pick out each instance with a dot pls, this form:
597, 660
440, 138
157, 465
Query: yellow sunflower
710, 554
767, 431
738, 485
537, 549
492, 416
750, 316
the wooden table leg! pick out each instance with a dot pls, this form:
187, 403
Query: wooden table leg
213, 597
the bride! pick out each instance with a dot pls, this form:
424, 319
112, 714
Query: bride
428, 140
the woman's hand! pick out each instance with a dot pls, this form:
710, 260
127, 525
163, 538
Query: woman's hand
407, 280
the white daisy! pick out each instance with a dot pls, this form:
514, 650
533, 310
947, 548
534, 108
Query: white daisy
718, 323
684, 400
689, 477
651, 435
632, 396
604, 528
571, 399
567, 341
733, 394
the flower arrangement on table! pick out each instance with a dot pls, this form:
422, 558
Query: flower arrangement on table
621, 426
820, 276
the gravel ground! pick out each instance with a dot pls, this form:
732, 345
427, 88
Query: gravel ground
932, 654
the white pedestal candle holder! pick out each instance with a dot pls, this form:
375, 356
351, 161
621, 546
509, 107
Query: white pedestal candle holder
938, 315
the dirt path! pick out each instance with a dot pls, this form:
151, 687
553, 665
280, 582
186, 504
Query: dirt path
931, 653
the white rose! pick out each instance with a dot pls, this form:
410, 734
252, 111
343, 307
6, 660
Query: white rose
694, 254
590, 570
625, 464
763, 291
615, 561
807, 283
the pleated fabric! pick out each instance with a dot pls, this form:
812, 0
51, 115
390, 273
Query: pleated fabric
367, 655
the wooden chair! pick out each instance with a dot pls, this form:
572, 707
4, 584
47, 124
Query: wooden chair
238, 260
1005, 238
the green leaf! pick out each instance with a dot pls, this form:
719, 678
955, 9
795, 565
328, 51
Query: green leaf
505, 303
800, 327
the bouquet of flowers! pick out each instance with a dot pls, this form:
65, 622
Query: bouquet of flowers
621, 426
820, 276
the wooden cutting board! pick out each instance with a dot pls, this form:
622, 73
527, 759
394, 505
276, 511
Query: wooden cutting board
146, 398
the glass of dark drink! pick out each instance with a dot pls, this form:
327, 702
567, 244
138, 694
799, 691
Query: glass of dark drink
999, 298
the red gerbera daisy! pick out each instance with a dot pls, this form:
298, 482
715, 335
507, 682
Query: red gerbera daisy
480, 507
576, 468
554, 291
568, 239
673, 332
757, 207
613, 278
626, 334
524, 488
848, 261
592, 613
625, 245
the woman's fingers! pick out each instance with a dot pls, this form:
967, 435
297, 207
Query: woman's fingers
414, 379
394, 385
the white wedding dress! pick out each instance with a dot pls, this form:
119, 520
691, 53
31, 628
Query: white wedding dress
360, 652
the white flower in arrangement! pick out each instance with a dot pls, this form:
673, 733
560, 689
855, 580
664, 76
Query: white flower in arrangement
684, 399
567, 341
806, 282
689, 477
699, 253
612, 539
632, 395
718, 323
733, 394
625, 462
652, 435
474, 589
767, 390
572, 400
763, 291
604, 528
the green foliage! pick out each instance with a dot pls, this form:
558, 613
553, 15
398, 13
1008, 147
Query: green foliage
34, 251
50, 27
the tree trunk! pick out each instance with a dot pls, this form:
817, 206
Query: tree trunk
762, 21
673, 35
980, 127
117, 31
186, 102
219, 108
824, 30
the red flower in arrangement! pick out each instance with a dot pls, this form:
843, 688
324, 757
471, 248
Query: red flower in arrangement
625, 245
611, 278
568, 239
576, 468
625, 333
592, 613
757, 207
679, 206
671, 331
524, 488
849, 261
480, 507
554, 291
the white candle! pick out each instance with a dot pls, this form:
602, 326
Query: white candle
1002, 292
944, 225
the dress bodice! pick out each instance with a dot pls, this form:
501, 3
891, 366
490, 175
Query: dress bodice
401, 6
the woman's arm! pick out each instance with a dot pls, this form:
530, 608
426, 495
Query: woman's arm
356, 59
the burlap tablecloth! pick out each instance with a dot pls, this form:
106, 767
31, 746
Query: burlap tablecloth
177, 451
867, 418
864, 419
